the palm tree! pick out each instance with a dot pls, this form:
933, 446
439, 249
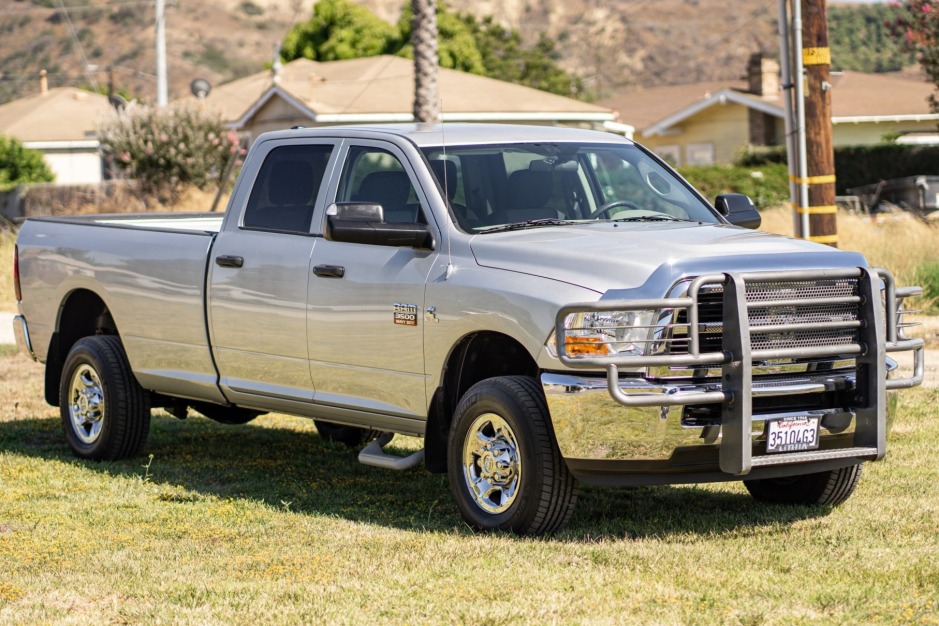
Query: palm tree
424, 40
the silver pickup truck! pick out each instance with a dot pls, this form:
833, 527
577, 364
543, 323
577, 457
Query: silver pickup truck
542, 306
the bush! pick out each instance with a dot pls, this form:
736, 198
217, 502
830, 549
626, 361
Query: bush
166, 149
767, 185
864, 165
251, 9
755, 156
856, 166
19, 165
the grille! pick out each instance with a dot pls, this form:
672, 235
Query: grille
783, 307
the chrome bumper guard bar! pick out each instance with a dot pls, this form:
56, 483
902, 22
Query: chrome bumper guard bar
876, 337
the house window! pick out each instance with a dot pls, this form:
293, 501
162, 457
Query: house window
671, 154
700, 153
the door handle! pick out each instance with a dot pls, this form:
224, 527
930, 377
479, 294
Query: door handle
329, 271
229, 261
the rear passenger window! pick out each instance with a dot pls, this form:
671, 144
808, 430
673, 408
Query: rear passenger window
284, 194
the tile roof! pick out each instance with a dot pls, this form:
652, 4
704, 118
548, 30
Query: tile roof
384, 85
854, 94
643, 107
62, 114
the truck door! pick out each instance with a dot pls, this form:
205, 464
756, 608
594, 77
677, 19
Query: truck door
366, 302
259, 273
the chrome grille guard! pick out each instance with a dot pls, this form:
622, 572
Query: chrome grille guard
877, 330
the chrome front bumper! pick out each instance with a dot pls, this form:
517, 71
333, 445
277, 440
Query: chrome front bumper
21, 332
623, 424
598, 435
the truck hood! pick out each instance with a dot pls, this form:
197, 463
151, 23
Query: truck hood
608, 256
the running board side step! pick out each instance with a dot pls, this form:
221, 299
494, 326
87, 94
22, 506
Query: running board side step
373, 454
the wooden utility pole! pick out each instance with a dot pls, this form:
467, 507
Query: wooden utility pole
816, 57
424, 40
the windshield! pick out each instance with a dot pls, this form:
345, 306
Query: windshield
508, 186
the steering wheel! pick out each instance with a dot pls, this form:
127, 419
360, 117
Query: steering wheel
606, 208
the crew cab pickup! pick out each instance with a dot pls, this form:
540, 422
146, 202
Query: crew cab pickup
542, 306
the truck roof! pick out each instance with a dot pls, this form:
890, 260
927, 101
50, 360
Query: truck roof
454, 134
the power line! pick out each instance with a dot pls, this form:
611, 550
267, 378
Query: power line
77, 42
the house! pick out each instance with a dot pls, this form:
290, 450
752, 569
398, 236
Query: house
703, 123
62, 124
381, 89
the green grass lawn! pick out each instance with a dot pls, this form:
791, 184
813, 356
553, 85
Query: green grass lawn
266, 523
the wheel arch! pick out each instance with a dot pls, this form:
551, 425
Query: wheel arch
475, 357
83, 313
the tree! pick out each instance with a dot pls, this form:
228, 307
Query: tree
166, 149
340, 30
20, 165
457, 49
918, 28
424, 41
861, 40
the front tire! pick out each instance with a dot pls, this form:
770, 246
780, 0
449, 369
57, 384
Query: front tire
105, 413
822, 488
505, 469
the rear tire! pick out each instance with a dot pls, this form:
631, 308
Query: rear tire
105, 412
351, 436
823, 488
505, 468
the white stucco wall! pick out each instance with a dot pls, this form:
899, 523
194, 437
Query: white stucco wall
72, 162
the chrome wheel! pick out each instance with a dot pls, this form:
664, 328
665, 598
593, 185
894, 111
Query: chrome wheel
86, 404
492, 466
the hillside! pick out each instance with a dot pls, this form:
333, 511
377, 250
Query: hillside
610, 44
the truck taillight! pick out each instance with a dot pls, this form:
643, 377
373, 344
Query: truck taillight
16, 273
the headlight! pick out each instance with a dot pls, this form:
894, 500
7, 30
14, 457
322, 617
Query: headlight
605, 333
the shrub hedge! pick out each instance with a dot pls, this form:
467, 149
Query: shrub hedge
856, 166
767, 185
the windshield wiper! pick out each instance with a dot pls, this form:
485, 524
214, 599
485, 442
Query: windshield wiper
650, 218
548, 221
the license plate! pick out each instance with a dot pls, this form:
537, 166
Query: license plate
792, 434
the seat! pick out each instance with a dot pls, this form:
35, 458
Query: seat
390, 189
290, 191
446, 174
445, 171
527, 193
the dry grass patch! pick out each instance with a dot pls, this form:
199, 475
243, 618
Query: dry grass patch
900, 243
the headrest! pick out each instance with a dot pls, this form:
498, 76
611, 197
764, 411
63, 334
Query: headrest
448, 167
528, 189
389, 189
291, 182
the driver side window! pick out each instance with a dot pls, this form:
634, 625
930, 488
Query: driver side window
376, 176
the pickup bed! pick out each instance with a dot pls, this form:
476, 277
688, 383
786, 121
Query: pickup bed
541, 306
